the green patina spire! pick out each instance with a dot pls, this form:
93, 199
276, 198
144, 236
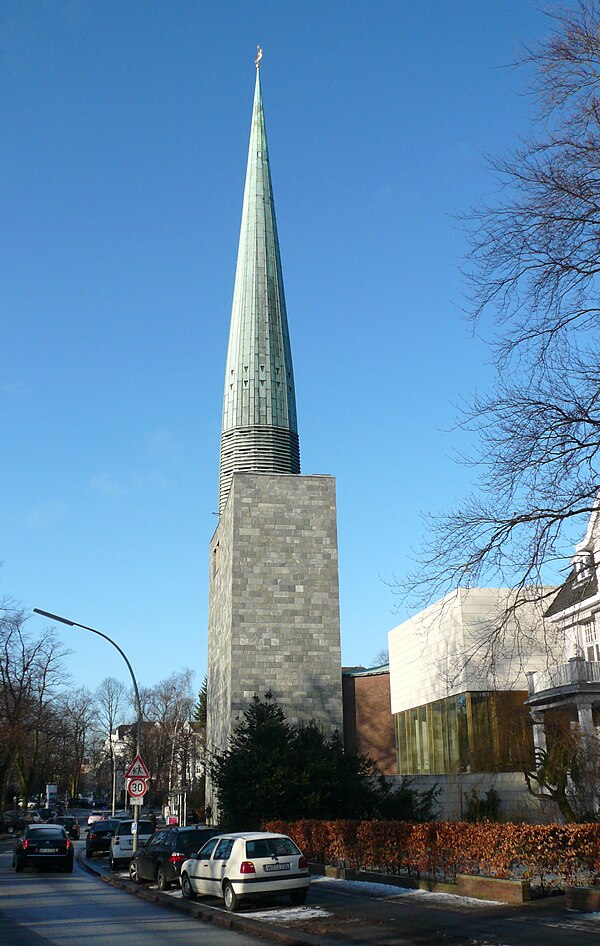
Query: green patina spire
259, 432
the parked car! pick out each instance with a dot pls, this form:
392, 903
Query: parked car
244, 865
98, 838
32, 816
79, 803
97, 816
121, 844
13, 821
46, 814
70, 824
160, 859
43, 845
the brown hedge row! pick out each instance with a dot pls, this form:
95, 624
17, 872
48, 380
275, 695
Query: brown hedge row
548, 855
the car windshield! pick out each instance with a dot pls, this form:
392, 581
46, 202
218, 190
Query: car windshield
188, 842
144, 827
271, 847
48, 832
68, 821
108, 825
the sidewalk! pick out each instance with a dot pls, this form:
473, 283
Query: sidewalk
390, 917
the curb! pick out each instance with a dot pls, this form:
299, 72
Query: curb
206, 914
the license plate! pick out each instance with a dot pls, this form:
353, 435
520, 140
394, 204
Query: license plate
271, 867
49, 850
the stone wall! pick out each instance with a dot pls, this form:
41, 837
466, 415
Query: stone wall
274, 602
516, 802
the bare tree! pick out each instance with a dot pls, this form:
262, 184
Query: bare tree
170, 708
31, 672
77, 709
111, 702
566, 772
534, 269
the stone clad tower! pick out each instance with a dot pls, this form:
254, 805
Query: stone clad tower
273, 593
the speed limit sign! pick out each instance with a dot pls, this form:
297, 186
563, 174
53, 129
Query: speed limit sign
137, 787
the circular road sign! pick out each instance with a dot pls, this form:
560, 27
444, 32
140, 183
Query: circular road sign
137, 787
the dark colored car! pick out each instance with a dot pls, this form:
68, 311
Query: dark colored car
46, 814
160, 859
43, 845
98, 838
79, 803
70, 824
13, 821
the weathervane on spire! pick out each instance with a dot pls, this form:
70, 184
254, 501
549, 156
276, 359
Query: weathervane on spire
258, 57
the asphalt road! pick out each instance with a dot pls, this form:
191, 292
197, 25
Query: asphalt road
51, 908
66, 910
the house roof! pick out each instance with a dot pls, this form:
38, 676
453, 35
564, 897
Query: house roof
364, 671
574, 592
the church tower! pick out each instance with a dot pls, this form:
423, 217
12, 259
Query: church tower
273, 620
260, 432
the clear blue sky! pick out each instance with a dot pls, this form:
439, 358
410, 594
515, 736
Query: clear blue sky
124, 137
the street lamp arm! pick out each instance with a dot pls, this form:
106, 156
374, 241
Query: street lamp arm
57, 617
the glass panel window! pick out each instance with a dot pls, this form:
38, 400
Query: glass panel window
424, 740
223, 849
470, 732
205, 852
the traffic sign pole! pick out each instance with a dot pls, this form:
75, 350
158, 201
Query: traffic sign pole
137, 787
137, 774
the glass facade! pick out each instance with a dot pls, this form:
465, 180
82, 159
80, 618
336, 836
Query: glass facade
471, 732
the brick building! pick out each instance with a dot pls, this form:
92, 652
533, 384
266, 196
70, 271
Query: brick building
368, 720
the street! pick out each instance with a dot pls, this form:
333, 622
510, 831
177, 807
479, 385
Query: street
41, 908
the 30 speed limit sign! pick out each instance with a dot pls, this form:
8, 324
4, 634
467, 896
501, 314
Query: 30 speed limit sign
137, 787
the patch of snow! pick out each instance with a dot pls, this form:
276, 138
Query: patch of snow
385, 891
290, 914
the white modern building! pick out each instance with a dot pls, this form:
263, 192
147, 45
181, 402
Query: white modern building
458, 685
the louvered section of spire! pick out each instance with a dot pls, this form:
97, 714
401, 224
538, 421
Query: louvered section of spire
259, 432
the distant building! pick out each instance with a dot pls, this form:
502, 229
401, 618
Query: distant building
458, 681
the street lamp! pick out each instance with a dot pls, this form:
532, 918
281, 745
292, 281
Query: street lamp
57, 617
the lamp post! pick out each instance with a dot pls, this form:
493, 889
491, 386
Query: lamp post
57, 617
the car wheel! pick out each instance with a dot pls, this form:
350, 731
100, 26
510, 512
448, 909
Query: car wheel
298, 896
134, 873
186, 888
112, 863
230, 897
161, 879
89, 854
69, 868
19, 865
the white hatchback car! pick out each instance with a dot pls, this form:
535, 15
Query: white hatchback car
244, 865
121, 843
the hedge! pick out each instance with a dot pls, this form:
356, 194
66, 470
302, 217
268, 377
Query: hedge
547, 855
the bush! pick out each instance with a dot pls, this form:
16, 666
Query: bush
483, 809
551, 856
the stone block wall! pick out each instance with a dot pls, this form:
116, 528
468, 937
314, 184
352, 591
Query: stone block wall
517, 804
274, 602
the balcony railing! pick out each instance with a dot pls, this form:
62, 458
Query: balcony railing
575, 671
